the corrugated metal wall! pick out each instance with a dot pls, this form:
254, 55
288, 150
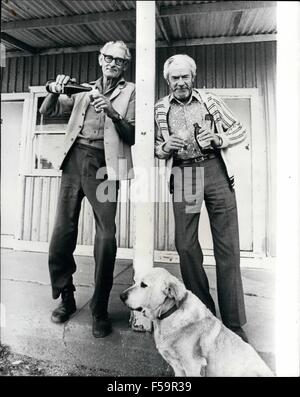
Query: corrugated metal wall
249, 65
39, 206
22, 72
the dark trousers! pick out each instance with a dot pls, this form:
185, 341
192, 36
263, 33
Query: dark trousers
221, 207
79, 180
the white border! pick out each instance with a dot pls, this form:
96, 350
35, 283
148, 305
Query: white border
287, 329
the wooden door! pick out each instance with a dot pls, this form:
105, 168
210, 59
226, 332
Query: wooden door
242, 165
11, 118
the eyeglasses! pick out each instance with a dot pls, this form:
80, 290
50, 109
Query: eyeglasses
118, 61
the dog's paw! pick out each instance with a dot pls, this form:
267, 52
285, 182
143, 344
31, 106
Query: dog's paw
203, 364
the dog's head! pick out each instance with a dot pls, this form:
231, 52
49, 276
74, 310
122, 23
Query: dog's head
153, 291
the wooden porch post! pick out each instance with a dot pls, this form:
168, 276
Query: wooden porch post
144, 147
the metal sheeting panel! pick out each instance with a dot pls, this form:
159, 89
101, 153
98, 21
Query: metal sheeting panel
67, 35
39, 208
88, 6
258, 21
178, 27
107, 31
76, 35
22, 72
37, 39
15, 10
31, 9
180, 3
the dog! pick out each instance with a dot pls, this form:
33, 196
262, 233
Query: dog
188, 336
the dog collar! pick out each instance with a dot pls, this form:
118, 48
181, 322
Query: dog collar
172, 309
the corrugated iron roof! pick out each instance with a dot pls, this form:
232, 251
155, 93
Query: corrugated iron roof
257, 21
15, 10
178, 27
181, 3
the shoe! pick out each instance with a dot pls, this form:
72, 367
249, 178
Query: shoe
240, 332
101, 326
67, 306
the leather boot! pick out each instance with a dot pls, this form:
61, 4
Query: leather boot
101, 326
66, 307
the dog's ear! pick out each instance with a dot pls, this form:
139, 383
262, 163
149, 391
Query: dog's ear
175, 290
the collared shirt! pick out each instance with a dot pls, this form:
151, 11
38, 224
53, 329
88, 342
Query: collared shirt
93, 127
181, 119
226, 125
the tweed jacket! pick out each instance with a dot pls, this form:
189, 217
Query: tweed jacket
117, 152
228, 128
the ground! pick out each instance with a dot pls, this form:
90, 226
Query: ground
42, 348
12, 364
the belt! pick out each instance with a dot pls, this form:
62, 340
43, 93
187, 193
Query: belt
195, 160
96, 143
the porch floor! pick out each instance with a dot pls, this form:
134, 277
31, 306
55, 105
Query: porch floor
26, 299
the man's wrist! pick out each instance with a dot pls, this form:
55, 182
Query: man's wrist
220, 142
164, 150
51, 88
116, 117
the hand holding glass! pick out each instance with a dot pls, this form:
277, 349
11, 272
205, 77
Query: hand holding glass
183, 134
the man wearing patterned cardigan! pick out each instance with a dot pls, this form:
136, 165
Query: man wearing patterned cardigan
198, 159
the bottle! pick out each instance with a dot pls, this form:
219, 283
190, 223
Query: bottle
197, 133
203, 145
70, 88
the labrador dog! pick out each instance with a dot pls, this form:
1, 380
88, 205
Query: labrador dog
187, 335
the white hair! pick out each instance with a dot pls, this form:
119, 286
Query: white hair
120, 44
179, 58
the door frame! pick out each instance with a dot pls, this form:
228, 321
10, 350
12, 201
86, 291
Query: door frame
7, 241
259, 165
260, 185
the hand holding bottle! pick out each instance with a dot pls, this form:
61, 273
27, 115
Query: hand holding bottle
65, 85
205, 136
56, 87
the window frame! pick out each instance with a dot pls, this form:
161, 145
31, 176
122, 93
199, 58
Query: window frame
37, 92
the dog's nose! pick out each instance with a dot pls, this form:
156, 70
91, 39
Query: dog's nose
123, 296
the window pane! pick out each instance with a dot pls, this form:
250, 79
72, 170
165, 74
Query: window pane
46, 123
48, 150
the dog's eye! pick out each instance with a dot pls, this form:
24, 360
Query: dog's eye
143, 285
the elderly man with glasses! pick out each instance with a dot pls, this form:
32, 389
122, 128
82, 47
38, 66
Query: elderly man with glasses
96, 156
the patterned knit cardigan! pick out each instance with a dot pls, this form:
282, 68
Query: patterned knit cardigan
228, 128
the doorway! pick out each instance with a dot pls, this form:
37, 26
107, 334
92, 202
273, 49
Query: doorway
12, 116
